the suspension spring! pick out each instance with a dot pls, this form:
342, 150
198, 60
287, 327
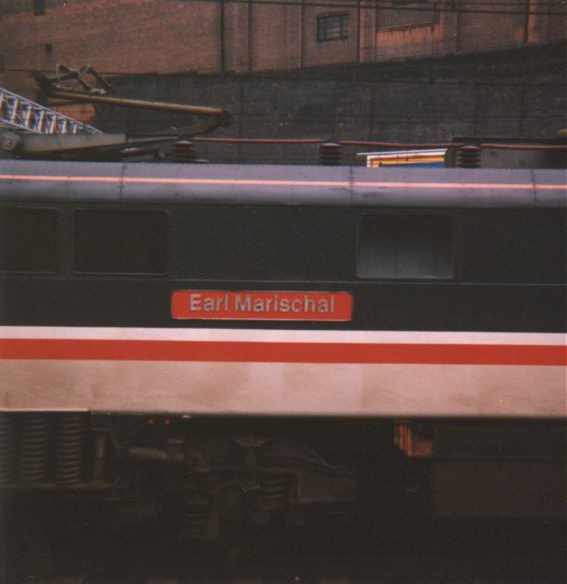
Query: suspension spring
275, 492
71, 433
34, 450
6, 448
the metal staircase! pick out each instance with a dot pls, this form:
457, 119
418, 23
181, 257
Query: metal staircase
20, 113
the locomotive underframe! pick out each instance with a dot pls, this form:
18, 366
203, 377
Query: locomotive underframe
209, 477
213, 474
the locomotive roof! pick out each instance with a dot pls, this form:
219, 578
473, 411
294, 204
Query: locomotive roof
282, 185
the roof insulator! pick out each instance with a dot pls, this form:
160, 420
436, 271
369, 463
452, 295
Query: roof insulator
329, 154
183, 151
468, 156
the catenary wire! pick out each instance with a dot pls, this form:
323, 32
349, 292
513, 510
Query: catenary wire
365, 5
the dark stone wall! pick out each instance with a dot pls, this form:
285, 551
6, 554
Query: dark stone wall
520, 94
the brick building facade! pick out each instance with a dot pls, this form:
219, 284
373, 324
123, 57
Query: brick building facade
219, 36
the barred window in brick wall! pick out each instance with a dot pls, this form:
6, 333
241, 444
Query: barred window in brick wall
332, 27
401, 15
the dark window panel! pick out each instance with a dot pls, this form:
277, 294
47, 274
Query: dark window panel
273, 243
28, 240
405, 246
120, 242
515, 245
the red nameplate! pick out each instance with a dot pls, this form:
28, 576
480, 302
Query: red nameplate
261, 305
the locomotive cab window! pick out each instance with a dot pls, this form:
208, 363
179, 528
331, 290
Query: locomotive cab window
405, 246
28, 240
120, 242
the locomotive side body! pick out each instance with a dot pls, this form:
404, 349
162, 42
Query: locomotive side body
240, 343
227, 374
169, 291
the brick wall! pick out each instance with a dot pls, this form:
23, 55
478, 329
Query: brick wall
491, 32
268, 50
450, 33
423, 40
510, 94
167, 36
117, 36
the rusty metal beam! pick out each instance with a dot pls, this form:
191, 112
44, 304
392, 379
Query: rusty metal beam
141, 104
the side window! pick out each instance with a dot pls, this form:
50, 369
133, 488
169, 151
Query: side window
262, 243
515, 245
405, 246
28, 240
120, 242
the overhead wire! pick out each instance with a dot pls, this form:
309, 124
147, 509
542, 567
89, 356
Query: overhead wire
426, 5
455, 3
454, 9
366, 5
377, 144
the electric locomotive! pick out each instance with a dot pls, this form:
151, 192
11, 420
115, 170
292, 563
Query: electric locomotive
250, 342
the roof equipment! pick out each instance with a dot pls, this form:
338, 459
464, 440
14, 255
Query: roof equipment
21, 113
